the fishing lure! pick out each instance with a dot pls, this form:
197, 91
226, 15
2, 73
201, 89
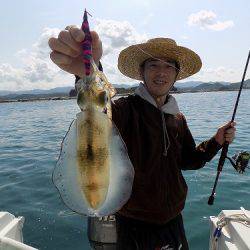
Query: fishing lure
86, 44
93, 174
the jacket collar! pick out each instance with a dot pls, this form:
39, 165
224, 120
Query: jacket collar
171, 107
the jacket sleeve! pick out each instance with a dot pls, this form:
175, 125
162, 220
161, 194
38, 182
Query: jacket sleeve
120, 114
195, 157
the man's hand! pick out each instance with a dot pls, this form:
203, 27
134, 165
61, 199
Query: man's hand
226, 133
67, 52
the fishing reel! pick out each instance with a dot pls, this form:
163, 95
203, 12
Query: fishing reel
240, 161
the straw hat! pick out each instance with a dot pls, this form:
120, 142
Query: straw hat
131, 58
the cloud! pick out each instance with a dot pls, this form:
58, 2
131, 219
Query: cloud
218, 26
41, 48
207, 20
10, 74
117, 35
38, 71
113, 74
220, 73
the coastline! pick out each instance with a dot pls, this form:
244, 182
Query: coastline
37, 99
57, 98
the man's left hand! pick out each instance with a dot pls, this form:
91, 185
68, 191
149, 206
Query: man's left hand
226, 133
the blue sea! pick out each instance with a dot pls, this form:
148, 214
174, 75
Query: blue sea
30, 140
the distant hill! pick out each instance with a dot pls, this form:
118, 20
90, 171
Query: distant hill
37, 91
237, 84
189, 84
54, 90
208, 86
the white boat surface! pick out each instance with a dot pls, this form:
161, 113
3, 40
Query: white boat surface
230, 230
11, 236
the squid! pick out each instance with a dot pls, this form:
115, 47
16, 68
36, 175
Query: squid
93, 174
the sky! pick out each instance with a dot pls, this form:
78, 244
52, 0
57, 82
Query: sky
217, 30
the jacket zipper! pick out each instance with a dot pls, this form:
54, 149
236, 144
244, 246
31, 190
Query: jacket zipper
165, 135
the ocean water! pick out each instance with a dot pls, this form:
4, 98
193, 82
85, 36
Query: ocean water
30, 140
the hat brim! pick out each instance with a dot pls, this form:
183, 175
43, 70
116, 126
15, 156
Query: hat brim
131, 58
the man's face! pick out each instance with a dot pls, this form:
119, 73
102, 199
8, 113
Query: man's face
159, 76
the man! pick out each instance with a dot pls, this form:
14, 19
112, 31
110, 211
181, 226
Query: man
156, 134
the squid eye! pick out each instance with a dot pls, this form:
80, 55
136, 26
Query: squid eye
81, 99
102, 98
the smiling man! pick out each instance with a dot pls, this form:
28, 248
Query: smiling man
159, 75
159, 142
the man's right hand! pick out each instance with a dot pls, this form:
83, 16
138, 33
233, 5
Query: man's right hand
67, 52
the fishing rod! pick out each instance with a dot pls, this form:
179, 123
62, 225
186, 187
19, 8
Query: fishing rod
223, 156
